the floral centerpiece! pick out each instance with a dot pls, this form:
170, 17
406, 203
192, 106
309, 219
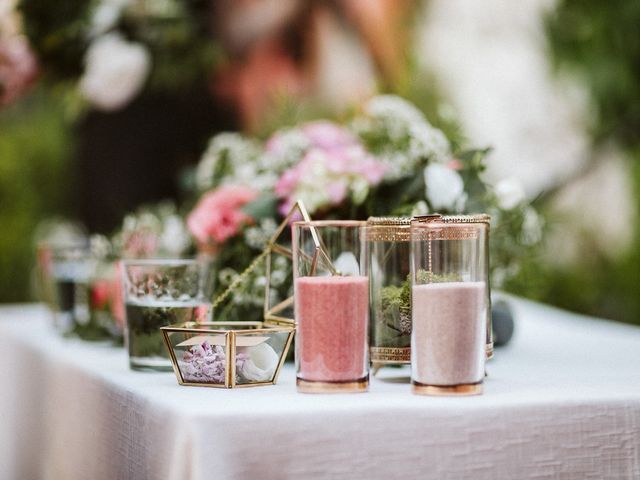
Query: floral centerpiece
386, 160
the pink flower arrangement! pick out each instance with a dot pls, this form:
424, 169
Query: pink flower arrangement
218, 215
334, 165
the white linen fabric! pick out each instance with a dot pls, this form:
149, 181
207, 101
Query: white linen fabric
562, 401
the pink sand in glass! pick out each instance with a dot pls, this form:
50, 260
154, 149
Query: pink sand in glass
449, 333
332, 315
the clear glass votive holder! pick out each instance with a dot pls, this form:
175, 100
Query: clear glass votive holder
71, 269
331, 303
450, 303
158, 293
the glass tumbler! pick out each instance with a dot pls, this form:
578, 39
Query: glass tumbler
157, 293
450, 303
71, 269
331, 301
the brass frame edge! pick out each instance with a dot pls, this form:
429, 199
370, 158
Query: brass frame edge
356, 386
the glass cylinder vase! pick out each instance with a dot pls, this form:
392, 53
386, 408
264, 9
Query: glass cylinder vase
71, 270
158, 293
331, 290
390, 290
450, 303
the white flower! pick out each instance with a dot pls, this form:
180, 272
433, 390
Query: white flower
115, 71
509, 193
278, 277
428, 142
175, 238
261, 364
445, 188
392, 107
407, 139
531, 227
232, 158
347, 264
420, 208
106, 15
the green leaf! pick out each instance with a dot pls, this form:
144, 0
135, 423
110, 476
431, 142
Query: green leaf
265, 206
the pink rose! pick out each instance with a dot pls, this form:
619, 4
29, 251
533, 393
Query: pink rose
100, 293
218, 215
18, 68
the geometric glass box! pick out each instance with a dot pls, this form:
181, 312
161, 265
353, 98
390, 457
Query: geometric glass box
227, 354
237, 353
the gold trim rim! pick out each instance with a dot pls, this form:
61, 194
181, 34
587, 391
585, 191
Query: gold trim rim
464, 389
357, 386
389, 221
330, 223
452, 219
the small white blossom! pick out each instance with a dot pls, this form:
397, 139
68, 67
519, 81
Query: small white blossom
531, 227
115, 71
407, 138
444, 188
226, 276
175, 238
509, 193
230, 158
429, 142
278, 277
106, 15
420, 208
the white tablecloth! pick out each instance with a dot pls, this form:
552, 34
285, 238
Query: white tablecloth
561, 401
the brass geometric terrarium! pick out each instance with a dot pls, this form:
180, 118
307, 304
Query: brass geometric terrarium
227, 354
237, 353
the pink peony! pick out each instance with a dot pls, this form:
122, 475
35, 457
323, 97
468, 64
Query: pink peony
328, 136
218, 215
326, 177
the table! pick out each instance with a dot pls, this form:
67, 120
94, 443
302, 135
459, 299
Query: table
561, 401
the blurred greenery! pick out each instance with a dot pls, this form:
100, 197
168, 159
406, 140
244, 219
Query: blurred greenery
35, 152
598, 43
58, 34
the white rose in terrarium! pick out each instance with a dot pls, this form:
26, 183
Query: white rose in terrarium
258, 363
115, 71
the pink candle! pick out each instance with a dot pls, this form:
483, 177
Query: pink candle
448, 337
332, 314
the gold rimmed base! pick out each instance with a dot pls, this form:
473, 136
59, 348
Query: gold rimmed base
453, 390
357, 386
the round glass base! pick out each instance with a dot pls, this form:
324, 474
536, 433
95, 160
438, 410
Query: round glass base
357, 386
452, 390
152, 364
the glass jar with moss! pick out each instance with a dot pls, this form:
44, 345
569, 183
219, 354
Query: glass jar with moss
390, 290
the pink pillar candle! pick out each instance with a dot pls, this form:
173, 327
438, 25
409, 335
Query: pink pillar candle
448, 337
331, 340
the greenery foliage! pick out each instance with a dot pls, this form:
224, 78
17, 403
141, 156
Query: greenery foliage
599, 43
35, 156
